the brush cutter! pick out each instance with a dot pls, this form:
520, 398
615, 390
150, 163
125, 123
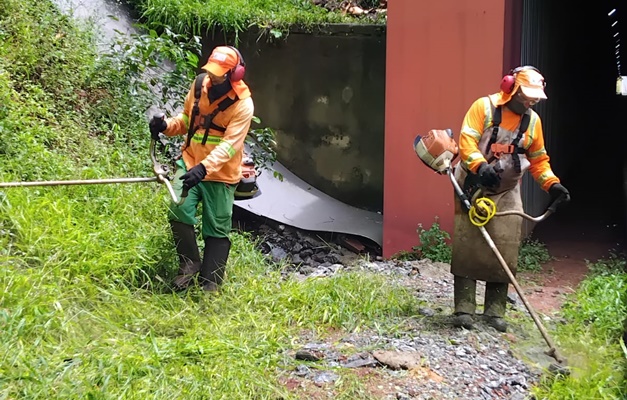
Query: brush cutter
437, 150
161, 171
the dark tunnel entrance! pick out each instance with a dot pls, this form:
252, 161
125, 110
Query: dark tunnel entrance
585, 121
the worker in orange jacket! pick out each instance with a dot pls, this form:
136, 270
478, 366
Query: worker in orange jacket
501, 138
210, 168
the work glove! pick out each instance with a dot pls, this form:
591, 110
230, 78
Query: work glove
193, 176
556, 190
157, 124
488, 176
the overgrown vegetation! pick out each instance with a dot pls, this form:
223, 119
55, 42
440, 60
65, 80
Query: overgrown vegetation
592, 337
85, 307
272, 16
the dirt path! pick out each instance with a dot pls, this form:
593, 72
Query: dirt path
546, 290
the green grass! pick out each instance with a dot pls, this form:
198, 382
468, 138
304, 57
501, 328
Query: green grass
85, 309
276, 16
85, 306
589, 338
87, 334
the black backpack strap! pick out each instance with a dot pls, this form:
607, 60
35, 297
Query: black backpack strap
496, 121
208, 123
524, 125
191, 129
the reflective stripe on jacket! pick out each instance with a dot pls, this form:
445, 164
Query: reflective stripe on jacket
477, 122
222, 153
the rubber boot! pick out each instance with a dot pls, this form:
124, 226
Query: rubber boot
495, 305
214, 262
463, 320
187, 250
464, 292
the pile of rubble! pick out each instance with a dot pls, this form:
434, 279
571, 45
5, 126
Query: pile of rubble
302, 252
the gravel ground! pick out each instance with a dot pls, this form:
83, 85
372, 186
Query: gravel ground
430, 359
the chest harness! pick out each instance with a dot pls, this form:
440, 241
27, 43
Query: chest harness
206, 121
498, 149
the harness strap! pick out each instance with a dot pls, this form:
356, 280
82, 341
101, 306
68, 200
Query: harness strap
207, 123
499, 149
524, 125
191, 129
225, 103
496, 121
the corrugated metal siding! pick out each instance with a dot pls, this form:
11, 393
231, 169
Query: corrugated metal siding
538, 49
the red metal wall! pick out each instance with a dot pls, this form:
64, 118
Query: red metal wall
441, 56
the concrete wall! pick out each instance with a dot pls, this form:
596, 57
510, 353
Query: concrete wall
324, 94
441, 56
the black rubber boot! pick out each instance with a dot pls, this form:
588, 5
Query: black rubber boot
497, 323
187, 250
495, 305
214, 262
464, 295
463, 320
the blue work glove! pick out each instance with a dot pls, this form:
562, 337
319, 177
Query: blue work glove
488, 176
556, 190
157, 124
193, 176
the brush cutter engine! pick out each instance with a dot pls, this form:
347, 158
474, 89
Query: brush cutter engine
437, 149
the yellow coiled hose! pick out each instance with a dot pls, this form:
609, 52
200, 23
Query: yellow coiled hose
482, 211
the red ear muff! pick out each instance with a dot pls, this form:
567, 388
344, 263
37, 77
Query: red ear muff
507, 84
508, 81
237, 73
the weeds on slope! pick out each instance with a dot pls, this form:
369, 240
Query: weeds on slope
85, 308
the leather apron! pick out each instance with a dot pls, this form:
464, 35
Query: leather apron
472, 258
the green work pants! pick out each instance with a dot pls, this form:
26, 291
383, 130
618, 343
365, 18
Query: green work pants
217, 205
465, 290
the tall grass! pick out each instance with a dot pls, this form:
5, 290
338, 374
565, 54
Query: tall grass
85, 306
198, 16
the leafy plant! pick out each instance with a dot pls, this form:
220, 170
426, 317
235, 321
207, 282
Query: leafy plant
159, 66
532, 254
434, 243
262, 143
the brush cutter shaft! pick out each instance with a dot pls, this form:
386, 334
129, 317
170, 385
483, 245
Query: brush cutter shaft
552, 349
160, 171
77, 182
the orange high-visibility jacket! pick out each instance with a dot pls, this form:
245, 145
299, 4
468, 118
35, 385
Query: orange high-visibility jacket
478, 121
222, 153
